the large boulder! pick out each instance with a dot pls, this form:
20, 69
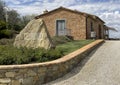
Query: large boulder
34, 35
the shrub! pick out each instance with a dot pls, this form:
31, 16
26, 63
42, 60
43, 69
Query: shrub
61, 39
5, 41
48, 55
25, 56
2, 25
6, 33
12, 55
6, 59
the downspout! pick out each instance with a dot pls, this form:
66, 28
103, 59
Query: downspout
86, 28
108, 34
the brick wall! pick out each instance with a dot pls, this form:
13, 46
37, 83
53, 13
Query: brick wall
74, 21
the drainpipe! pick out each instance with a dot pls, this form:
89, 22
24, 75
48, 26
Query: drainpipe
108, 34
86, 27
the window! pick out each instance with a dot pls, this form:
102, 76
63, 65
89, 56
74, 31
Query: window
92, 27
93, 34
60, 27
100, 32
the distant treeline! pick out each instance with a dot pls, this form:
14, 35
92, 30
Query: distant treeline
11, 22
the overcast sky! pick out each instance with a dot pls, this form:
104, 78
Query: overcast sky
107, 10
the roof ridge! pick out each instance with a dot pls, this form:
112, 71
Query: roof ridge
61, 7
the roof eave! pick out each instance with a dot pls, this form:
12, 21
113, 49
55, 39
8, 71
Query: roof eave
111, 28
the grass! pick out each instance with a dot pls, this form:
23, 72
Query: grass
13, 55
73, 45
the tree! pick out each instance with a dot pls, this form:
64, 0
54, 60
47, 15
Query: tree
13, 18
2, 12
5, 27
4, 32
11, 21
25, 19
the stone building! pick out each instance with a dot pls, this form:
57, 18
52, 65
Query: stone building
79, 25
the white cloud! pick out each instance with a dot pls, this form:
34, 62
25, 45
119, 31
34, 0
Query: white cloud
28, 10
12, 1
24, 1
38, 6
17, 2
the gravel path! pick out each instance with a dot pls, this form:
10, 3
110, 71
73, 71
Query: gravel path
101, 67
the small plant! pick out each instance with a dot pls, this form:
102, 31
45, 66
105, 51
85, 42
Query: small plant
6, 33
12, 55
49, 55
61, 39
5, 41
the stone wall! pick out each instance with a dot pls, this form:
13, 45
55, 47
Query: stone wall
39, 73
96, 24
74, 22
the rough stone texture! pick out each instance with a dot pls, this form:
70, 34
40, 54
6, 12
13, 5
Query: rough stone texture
28, 81
2, 75
31, 73
39, 73
15, 82
76, 23
10, 74
34, 35
5, 80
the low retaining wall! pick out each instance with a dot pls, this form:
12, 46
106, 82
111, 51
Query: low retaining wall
38, 73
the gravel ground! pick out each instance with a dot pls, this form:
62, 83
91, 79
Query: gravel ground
101, 67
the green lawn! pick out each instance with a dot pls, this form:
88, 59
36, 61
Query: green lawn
73, 45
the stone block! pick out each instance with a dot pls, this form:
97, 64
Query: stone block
55, 68
3, 84
42, 69
23, 70
28, 81
10, 74
2, 75
5, 81
31, 73
34, 35
16, 82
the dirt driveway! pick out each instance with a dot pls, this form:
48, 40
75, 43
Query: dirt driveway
101, 67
